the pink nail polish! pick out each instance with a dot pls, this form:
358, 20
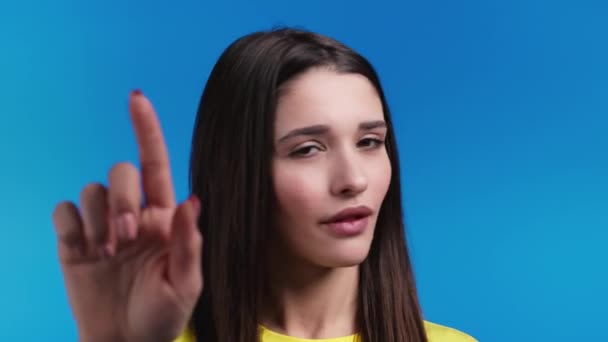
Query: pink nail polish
196, 203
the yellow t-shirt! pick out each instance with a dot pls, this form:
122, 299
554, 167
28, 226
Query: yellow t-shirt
434, 332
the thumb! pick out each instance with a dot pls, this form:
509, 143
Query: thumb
185, 249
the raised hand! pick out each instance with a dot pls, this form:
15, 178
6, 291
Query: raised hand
132, 271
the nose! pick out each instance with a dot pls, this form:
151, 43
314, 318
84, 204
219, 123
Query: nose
348, 176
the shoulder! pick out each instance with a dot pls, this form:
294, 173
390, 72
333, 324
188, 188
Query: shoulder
440, 333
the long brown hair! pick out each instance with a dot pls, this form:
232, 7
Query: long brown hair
230, 171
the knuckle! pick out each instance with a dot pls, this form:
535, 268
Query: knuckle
94, 205
96, 234
99, 236
154, 165
120, 203
71, 236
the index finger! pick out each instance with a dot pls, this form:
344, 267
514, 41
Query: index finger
153, 155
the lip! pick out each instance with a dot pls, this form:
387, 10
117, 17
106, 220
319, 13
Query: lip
348, 228
349, 214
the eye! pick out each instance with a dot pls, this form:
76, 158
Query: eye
304, 151
371, 143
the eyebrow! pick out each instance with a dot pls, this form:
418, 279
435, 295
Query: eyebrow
322, 129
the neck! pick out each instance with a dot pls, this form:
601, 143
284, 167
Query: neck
309, 301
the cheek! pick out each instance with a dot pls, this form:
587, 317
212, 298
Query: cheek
297, 191
380, 176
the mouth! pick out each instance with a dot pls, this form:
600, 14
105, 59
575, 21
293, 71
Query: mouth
349, 222
349, 214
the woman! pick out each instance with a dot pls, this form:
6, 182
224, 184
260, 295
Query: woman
295, 163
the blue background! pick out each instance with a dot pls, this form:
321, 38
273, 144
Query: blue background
501, 111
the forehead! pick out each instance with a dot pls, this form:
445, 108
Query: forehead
321, 96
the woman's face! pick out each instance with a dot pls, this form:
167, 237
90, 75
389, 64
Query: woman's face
329, 156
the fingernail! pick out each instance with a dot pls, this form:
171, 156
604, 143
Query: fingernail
125, 226
196, 204
131, 225
136, 92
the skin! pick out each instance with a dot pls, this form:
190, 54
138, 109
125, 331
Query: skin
315, 272
132, 272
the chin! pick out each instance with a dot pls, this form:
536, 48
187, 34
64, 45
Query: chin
346, 263
345, 257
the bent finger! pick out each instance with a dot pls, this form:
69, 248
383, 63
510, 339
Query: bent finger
69, 230
94, 206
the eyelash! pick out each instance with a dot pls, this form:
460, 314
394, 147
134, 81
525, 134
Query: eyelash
377, 143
